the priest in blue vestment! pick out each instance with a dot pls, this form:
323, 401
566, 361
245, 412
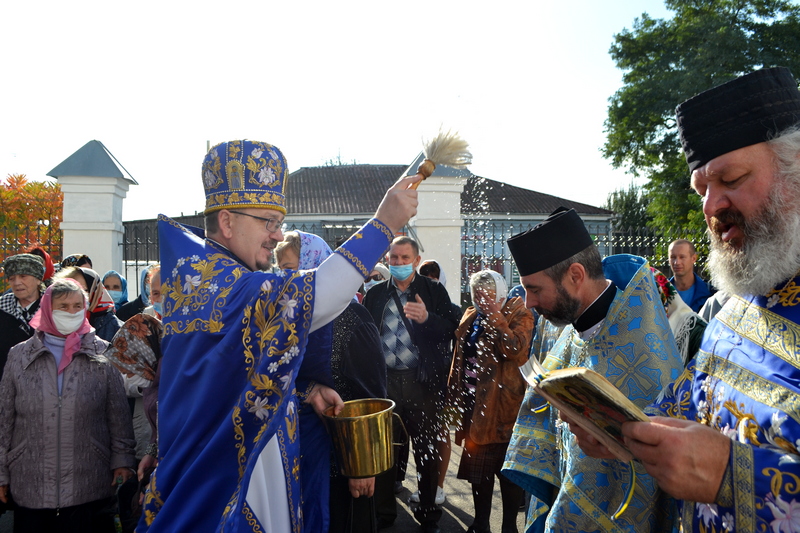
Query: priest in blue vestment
605, 315
729, 447
234, 338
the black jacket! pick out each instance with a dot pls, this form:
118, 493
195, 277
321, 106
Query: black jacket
433, 339
128, 309
12, 332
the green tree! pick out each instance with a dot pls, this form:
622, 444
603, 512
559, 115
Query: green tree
630, 205
707, 42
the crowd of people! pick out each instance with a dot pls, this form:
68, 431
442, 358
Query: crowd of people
204, 394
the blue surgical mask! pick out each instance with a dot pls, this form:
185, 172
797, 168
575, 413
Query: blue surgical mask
158, 307
115, 295
371, 283
401, 272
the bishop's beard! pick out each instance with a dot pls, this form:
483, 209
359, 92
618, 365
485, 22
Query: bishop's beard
769, 252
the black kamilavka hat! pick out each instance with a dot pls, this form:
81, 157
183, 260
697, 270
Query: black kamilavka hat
748, 110
560, 236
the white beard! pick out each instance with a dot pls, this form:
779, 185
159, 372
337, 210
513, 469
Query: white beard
769, 255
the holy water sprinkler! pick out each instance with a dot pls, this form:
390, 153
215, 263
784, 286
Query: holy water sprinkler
447, 148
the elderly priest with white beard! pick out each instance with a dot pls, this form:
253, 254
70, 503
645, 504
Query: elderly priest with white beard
728, 447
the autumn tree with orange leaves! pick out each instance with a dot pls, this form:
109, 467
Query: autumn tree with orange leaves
30, 215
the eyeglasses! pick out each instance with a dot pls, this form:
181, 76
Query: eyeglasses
376, 277
273, 224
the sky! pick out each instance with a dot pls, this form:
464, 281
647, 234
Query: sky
526, 83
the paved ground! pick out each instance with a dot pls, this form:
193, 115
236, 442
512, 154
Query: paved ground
457, 509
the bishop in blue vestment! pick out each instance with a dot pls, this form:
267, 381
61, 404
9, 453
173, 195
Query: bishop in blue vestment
233, 341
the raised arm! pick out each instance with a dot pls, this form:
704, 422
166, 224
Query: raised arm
341, 274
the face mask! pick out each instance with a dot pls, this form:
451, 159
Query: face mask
401, 272
115, 295
66, 322
158, 307
371, 283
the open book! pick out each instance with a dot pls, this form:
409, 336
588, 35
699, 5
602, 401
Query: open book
589, 400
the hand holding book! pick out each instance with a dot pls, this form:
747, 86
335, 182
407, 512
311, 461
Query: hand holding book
589, 401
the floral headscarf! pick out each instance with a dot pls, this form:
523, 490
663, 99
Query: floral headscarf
43, 321
99, 299
313, 250
75, 260
136, 348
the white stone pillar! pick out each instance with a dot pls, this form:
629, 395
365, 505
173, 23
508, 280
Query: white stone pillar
438, 226
94, 187
92, 221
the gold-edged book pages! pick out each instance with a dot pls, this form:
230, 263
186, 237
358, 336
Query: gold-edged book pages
589, 400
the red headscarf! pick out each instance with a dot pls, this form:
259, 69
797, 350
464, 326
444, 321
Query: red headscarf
43, 321
49, 269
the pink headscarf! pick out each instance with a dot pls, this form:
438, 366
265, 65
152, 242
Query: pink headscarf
43, 321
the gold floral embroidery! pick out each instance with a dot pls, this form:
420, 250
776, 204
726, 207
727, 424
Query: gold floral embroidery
773, 332
195, 292
787, 296
750, 384
152, 501
746, 423
239, 438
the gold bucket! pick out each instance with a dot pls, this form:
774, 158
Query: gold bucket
362, 436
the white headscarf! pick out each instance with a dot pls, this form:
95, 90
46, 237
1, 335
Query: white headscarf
442, 277
500, 286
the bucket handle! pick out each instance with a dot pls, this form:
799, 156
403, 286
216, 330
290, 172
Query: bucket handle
403, 428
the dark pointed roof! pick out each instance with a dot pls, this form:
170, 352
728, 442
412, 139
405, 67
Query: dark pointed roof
354, 189
93, 159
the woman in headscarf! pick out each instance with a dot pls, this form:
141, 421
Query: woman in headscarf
65, 426
24, 273
142, 301
301, 251
76, 260
136, 352
101, 306
117, 287
486, 387
49, 267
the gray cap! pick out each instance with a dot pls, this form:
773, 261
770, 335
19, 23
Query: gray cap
24, 264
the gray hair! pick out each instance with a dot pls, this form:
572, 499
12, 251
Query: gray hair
405, 239
65, 287
787, 155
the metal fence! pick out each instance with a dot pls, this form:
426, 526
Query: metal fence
17, 240
483, 244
